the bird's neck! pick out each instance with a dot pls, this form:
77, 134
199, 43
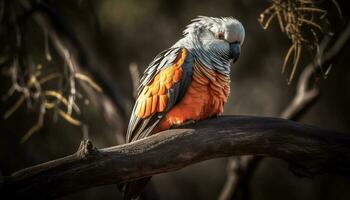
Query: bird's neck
209, 60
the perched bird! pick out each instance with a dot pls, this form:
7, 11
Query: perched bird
190, 81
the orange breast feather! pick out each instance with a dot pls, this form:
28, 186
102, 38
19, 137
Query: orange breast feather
204, 98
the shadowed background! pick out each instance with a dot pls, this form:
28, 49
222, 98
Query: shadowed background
117, 33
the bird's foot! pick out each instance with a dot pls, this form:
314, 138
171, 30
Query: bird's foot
187, 122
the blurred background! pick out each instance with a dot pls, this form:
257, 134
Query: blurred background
113, 34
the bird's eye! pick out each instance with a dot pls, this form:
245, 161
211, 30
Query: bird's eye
221, 36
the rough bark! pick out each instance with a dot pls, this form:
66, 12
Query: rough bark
307, 149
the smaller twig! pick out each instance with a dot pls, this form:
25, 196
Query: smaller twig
338, 8
135, 77
268, 21
88, 80
236, 165
339, 45
47, 46
61, 99
86, 149
286, 59
303, 96
49, 77
18, 103
311, 23
36, 127
69, 118
297, 53
312, 9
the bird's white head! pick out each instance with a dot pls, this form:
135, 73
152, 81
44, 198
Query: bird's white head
217, 41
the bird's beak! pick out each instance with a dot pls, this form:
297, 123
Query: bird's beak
235, 51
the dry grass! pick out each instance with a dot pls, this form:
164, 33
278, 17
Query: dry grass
61, 99
302, 21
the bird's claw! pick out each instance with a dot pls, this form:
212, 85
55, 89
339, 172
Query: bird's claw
188, 122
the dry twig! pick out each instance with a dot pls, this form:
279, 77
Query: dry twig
298, 19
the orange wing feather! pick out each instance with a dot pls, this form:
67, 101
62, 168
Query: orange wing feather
153, 97
163, 84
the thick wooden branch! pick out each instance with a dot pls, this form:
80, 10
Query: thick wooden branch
307, 149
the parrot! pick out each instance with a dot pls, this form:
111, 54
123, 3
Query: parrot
187, 82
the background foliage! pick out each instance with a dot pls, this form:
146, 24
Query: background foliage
114, 34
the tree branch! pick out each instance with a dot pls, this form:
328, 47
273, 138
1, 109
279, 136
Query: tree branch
307, 149
303, 96
240, 170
